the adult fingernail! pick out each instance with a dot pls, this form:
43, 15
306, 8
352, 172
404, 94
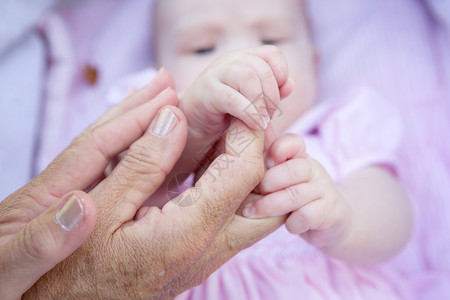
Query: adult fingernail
71, 214
164, 123
249, 211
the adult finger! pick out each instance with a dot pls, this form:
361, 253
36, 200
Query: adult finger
223, 187
44, 242
144, 166
159, 83
89, 154
236, 234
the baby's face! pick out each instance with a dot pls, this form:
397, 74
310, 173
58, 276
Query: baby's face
190, 34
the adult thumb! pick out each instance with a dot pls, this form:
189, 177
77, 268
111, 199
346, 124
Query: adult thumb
44, 242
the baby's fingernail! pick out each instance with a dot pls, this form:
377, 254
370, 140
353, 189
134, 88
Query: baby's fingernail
270, 163
71, 214
249, 211
164, 123
265, 120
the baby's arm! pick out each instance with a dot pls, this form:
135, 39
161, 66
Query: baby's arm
382, 218
366, 219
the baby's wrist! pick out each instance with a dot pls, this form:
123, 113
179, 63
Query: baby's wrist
341, 234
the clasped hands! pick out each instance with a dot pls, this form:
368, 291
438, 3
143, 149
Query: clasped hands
120, 248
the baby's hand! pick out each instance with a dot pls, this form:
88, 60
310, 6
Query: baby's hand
233, 85
299, 186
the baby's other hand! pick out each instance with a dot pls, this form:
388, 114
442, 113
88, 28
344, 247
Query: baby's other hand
299, 186
246, 84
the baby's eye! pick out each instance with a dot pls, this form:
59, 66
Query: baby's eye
204, 51
269, 42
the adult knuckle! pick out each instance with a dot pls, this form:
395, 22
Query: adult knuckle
140, 161
253, 169
89, 140
232, 242
37, 245
214, 211
83, 139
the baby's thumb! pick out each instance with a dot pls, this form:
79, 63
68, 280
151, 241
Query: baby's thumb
44, 242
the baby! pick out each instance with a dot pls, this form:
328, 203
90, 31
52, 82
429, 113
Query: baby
230, 58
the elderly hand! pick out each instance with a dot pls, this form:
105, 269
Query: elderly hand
42, 223
134, 251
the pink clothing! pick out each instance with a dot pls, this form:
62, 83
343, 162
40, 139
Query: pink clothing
358, 130
402, 49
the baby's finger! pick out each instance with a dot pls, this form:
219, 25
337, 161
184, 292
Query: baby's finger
286, 147
269, 96
239, 107
292, 172
284, 201
277, 62
287, 88
245, 79
311, 216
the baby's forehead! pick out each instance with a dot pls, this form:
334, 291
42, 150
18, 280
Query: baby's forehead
170, 12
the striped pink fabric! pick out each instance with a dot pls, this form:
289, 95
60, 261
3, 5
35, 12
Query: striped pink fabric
402, 48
